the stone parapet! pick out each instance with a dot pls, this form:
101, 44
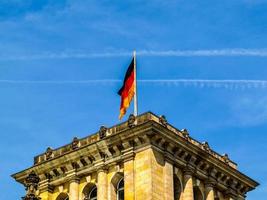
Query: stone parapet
146, 117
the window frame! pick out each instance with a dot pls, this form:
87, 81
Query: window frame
120, 189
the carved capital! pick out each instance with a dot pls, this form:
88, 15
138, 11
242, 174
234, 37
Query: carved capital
188, 170
75, 179
210, 183
230, 193
46, 186
102, 168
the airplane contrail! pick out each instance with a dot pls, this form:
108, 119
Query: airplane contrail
142, 52
199, 83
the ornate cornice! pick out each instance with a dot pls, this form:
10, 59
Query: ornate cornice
120, 143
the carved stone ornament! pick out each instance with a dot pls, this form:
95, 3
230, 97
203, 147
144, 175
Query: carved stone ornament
205, 146
31, 183
103, 132
185, 133
226, 158
163, 120
131, 121
49, 153
75, 143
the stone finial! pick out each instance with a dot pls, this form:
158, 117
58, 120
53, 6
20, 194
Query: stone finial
31, 183
75, 143
205, 146
103, 132
225, 158
163, 120
185, 133
131, 121
49, 153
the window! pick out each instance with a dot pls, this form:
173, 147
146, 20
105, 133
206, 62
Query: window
92, 195
120, 190
197, 194
176, 188
63, 196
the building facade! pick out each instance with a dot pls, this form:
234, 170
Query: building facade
144, 158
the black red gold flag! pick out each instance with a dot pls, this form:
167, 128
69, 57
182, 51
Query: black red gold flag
127, 91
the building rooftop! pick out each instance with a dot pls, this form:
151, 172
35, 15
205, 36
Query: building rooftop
141, 119
113, 144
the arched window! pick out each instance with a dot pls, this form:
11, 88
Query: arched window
63, 196
90, 192
197, 194
92, 195
120, 190
176, 188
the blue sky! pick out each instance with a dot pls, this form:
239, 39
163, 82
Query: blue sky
206, 59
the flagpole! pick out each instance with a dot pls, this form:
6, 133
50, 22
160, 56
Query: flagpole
135, 86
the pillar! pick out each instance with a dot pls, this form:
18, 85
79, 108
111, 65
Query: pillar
102, 184
209, 191
168, 181
45, 190
129, 179
188, 193
143, 175
74, 188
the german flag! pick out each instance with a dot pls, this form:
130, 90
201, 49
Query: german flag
127, 91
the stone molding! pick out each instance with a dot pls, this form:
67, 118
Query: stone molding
124, 141
45, 186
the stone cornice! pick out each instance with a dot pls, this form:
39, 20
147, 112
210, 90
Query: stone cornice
120, 143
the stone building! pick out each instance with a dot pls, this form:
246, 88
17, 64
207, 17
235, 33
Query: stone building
144, 158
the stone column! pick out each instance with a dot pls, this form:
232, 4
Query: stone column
209, 190
143, 175
129, 179
102, 184
168, 180
188, 193
74, 188
45, 190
